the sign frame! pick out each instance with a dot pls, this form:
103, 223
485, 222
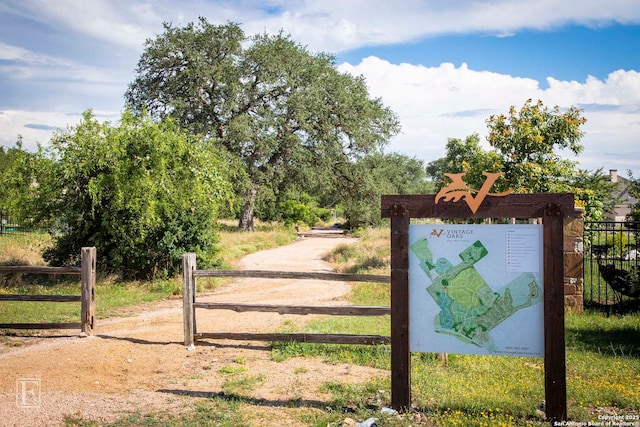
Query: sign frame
553, 209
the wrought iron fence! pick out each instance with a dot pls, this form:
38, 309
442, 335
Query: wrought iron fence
12, 225
611, 265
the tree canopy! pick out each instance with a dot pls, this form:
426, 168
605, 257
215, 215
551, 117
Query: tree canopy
529, 140
526, 146
465, 156
281, 110
379, 174
142, 192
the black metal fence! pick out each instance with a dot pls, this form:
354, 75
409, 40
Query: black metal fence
12, 225
611, 265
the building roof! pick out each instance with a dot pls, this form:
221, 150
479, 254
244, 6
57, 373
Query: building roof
622, 195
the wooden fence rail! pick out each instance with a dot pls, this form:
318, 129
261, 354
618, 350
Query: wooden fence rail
87, 297
190, 274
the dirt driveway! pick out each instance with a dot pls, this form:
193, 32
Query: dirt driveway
139, 363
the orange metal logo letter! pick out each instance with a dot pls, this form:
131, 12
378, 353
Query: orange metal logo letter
457, 190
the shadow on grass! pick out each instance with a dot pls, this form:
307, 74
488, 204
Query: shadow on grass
623, 340
295, 403
265, 347
627, 306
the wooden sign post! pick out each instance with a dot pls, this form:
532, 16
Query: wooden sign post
552, 208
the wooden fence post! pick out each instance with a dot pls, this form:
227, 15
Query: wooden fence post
188, 296
555, 370
400, 355
88, 289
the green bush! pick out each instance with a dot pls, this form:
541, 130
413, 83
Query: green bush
302, 209
142, 192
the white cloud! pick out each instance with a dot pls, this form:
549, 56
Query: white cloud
328, 25
22, 64
123, 23
337, 25
38, 126
435, 103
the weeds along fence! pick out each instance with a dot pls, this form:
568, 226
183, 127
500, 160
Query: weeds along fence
87, 297
611, 265
191, 334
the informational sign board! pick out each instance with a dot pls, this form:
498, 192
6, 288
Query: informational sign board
520, 256
476, 289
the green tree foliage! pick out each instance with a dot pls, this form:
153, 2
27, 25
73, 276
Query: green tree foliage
7, 181
379, 174
465, 156
20, 169
6, 157
594, 192
143, 193
282, 111
526, 145
301, 208
634, 191
529, 141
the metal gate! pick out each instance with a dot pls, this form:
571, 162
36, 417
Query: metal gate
611, 265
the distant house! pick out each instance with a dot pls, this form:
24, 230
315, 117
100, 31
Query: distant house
624, 200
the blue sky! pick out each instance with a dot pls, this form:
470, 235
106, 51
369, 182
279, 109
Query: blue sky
443, 67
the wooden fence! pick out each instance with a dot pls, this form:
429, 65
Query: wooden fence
190, 275
87, 298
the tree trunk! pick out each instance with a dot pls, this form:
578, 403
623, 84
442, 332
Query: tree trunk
246, 214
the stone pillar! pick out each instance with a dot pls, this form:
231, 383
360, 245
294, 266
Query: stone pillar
574, 263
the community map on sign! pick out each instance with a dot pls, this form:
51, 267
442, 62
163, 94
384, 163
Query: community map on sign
469, 308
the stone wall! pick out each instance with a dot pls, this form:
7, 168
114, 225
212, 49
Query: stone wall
573, 264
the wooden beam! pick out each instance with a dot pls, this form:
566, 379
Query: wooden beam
322, 235
309, 338
340, 310
40, 325
40, 298
88, 289
37, 269
266, 274
511, 206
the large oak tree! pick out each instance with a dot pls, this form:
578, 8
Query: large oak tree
278, 108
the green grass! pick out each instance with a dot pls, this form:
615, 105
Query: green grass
237, 381
211, 412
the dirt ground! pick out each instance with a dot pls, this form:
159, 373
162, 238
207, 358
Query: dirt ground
140, 363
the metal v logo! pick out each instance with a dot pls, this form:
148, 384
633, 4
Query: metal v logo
458, 189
